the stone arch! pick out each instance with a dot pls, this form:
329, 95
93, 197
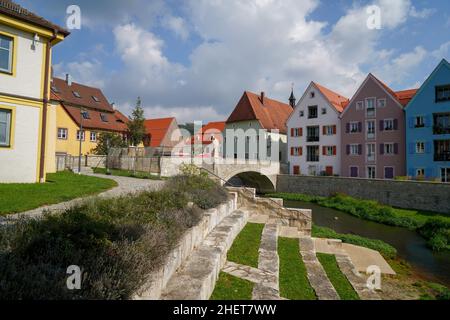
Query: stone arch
253, 179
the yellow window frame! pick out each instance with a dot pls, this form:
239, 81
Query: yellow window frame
12, 128
14, 53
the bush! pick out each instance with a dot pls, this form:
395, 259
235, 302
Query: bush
116, 242
437, 233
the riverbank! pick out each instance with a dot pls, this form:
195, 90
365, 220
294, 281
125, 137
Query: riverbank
434, 227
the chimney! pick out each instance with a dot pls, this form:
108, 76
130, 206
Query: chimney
113, 105
262, 97
68, 79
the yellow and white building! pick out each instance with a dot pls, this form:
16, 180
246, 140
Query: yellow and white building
26, 42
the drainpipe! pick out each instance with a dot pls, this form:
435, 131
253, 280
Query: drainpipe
45, 105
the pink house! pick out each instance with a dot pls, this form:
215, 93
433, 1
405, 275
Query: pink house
373, 134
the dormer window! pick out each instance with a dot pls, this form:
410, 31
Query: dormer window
85, 115
55, 89
95, 99
104, 117
76, 94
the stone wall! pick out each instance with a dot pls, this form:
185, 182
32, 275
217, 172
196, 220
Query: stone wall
427, 196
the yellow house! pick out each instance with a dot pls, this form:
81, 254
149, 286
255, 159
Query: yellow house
26, 42
82, 112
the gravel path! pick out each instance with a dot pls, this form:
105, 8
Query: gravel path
125, 186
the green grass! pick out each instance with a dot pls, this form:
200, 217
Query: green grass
382, 247
245, 248
60, 187
434, 227
294, 284
337, 278
128, 173
229, 287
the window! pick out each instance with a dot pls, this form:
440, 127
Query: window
312, 94
359, 105
371, 153
93, 136
5, 128
389, 148
296, 132
381, 103
324, 110
388, 125
296, 151
296, 170
370, 107
420, 173
76, 94
354, 172
302, 113
389, 172
62, 133
312, 154
354, 127
104, 117
445, 175
329, 150
371, 172
420, 147
441, 123
85, 115
95, 99
54, 89
312, 112
82, 135
419, 122
371, 129
329, 130
312, 134
442, 93
6, 54
354, 149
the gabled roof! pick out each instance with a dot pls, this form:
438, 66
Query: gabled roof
339, 102
12, 9
402, 97
441, 64
271, 114
61, 91
212, 128
157, 129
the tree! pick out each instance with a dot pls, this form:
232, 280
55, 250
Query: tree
108, 139
136, 128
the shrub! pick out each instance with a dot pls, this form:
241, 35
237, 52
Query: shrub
437, 233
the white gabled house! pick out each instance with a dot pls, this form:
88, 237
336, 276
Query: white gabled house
314, 138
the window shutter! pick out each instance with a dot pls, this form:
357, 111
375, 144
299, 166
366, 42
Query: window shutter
411, 122
324, 151
428, 147
359, 127
301, 132
396, 148
324, 130
347, 127
334, 129
395, 124
348, 149
292, 132
412, 148
359, 148
381, 125
381, 148
301, 151
334, 150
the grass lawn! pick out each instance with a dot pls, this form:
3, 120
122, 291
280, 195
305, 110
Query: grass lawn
128, 173
294, 284
229, 287
60, 187
245, 248
337, 278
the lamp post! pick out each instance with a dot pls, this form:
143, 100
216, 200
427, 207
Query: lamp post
108, 172
80, 136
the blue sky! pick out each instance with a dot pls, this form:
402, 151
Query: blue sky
194, 58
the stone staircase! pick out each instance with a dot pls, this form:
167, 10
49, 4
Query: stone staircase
196, 278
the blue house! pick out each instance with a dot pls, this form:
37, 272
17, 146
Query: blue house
428, 128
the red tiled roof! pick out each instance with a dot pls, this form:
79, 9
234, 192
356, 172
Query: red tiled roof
157, 129
338, 101
271, 114
211, 129
403, 97
14, 10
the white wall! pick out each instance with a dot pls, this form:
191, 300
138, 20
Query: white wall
28, 76
19, 164
330, 118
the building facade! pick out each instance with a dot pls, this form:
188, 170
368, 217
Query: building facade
82, 112
373, 132
26, 42
314, 140
165, 134
428, 128
252, 114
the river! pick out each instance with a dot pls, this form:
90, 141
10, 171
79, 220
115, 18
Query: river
410, 245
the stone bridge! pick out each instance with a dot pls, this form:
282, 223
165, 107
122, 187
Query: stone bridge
261, 175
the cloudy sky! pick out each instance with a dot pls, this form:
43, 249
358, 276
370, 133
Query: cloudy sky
194, 58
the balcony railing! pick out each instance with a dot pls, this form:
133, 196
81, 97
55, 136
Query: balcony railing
441, 130
312, 139
312, 158
442, 156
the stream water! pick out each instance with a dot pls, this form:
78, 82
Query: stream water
410, 245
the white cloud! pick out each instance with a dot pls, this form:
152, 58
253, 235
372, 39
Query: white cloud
422, 14
85, 72
177, 25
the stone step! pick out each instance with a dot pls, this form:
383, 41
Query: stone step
196, 278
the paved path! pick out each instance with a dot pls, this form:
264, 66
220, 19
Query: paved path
125, 186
